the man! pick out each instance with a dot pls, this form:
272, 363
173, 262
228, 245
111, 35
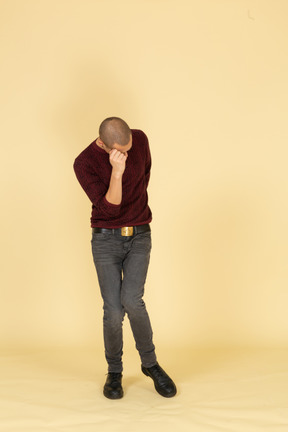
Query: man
114, 171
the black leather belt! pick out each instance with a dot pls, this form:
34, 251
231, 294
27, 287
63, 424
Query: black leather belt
124, 231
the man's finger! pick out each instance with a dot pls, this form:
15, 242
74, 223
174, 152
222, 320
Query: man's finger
114, 154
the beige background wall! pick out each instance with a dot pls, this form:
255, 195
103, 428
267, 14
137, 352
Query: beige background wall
207, 81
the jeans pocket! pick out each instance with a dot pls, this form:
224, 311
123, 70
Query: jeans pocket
98, 236
144, 240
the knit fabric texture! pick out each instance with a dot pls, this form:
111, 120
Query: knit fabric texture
93, 171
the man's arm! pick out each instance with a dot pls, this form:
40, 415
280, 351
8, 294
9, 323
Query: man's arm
96, 190
118, 162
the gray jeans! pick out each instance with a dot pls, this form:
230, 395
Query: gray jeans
122, 264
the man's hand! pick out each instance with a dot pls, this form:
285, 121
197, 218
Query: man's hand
118, 161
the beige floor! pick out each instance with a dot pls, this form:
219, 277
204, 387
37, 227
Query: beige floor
233, 390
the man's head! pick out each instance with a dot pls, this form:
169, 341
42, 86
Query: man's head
115, 133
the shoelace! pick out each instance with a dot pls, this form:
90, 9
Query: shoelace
115, 376
158, 372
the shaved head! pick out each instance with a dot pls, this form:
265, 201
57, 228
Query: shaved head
114, 130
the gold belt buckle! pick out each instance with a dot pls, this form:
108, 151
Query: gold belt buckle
127, 231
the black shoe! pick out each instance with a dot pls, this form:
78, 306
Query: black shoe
162, 382
113, 387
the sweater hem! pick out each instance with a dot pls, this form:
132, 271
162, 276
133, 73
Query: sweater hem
103, 225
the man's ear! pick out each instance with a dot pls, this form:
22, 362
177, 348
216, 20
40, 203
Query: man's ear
101, 143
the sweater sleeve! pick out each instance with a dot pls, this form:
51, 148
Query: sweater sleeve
148, 162
95, 189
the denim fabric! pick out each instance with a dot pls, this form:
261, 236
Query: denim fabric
122, 264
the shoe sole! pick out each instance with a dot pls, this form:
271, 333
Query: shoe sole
113, 397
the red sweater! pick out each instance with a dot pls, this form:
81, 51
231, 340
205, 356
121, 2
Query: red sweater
93, 171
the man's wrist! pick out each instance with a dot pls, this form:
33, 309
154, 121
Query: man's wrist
116, 174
